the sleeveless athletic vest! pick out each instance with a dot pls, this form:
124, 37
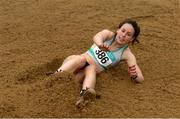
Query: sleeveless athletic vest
104, 59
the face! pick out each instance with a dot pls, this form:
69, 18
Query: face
125, 34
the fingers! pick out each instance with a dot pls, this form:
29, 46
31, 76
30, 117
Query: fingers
132, 71
133, 66
104, 47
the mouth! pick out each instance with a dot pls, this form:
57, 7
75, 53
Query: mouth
119, 38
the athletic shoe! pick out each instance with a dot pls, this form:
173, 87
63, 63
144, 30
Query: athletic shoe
87, 95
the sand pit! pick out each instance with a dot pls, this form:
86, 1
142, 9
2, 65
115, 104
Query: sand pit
36, 35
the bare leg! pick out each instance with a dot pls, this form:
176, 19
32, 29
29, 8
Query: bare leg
79, 76
90, 77
87, 92
72, 63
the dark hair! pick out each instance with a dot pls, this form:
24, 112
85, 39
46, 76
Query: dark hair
135, 26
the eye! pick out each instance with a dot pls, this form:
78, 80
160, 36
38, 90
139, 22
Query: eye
129, 34
123, 30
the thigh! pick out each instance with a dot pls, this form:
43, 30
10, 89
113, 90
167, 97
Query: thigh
90, 70
71, 57
73, 63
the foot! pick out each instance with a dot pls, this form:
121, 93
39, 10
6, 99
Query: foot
59, 75
64, 75
50, 73
90, 94
87, 96
80, 103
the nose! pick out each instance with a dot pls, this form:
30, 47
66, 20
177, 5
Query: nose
124, 34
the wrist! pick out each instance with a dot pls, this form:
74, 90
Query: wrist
134, 77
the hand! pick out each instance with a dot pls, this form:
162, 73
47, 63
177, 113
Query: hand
104, 47
132, 72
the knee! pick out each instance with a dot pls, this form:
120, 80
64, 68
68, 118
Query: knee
82, 58
79, 76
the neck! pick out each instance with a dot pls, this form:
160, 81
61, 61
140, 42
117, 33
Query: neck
117, 45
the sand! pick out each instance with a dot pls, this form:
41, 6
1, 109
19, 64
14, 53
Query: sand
36, 36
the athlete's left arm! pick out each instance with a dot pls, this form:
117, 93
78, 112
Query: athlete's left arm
133, 69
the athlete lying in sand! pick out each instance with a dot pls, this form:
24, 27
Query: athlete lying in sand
108, 50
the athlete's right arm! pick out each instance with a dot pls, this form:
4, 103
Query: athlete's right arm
102, 36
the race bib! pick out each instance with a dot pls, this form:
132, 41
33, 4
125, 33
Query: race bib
102, 57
